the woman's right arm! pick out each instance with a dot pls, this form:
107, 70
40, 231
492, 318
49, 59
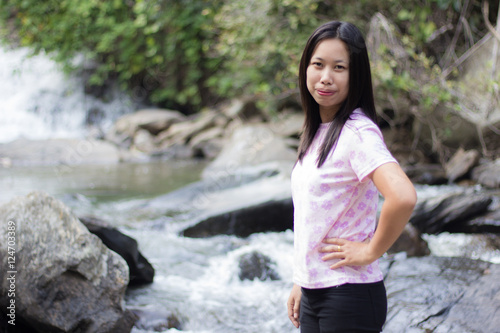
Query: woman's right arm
293, 305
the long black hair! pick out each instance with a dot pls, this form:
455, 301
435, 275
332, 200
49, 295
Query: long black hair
360, 94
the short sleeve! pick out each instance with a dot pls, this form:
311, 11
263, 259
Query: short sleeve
368, 151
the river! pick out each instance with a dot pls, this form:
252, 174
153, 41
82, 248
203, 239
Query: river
196, 279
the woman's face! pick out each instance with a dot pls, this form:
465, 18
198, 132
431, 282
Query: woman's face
328, 76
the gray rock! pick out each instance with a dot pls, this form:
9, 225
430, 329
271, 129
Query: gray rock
488, 223
183, 132
255, 265
411, 242
288, 124
226, 192
140, 270
251, 145
152, 120
488, 174
433, 294
143, 141
67, 280
208, 144
276, 215
440, 213
65, 152
461, 163
156, 321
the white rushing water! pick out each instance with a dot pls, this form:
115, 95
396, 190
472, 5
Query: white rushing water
38, 101
196, 279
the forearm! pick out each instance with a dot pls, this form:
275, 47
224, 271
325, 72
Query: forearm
392, 221
400, 199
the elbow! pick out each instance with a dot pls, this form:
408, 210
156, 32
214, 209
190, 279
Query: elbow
408, 200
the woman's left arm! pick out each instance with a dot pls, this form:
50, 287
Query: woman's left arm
399, 200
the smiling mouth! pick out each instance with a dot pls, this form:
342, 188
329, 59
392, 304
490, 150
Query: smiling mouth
325, 92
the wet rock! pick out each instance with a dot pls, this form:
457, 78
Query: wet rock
443, 212
433, 294
250, 145
67, 280
288, 124
488, 174
276, 215
156, 321
152, 120
183, 132
140, 270
143, 141
208, 144
461, 163
255, 265
222, 193
411, 242
66, 152
487, 223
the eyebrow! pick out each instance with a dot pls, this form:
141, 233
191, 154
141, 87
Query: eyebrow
335, 61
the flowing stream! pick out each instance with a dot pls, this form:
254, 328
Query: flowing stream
196, 279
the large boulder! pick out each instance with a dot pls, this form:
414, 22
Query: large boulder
189, 138
140, 270
273, 215
153, 121
411, 242
433, 294
461, 163
438, 214
488, 174
255, 265
250, 145
66, 279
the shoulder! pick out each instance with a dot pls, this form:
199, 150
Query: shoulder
358, 123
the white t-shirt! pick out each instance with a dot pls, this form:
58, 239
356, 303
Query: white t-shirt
337, 200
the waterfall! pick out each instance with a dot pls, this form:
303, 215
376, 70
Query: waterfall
38, 101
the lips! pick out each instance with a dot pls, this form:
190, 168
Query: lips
325, 92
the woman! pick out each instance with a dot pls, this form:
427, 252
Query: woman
342, 165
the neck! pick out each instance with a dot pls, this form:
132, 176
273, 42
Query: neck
327, 114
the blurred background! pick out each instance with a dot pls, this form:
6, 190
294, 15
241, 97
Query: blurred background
119, 108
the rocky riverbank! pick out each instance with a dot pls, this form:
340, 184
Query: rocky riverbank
244, 190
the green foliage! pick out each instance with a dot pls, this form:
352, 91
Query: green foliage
262, 41
420, 28
194, 53
159, 49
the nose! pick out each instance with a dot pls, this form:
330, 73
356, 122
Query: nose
326, 77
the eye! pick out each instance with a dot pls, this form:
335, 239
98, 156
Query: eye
339, 67
316, 64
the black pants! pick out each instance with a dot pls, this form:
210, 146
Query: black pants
348, 308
